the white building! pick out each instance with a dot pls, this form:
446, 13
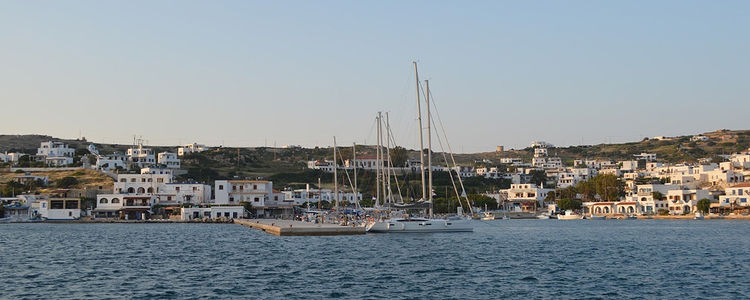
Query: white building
323, 165
111, 162
127, 206
141, 157
213, 212
302, 196
645, 156
140, 183
572, 176
57, 208
684, 201
699, 138
736, 195
182, 193
519, 196
367, 162
169, 160
191, 148
56, 153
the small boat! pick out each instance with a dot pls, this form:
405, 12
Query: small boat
487, 216
569, 215
698, 216
595, 217
544, 216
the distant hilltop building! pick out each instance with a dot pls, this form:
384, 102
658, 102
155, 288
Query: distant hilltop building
191, 148
699, 138
541, 144
500, 149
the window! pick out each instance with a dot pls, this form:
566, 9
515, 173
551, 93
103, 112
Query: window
123, 180
169, 198
195, 188
257, 199
143, 179
242, 187
150, 180
234, 187
226, 214
115, 200
177, 188
221, 187
103, 200
132, 179
234, 215
160, 180
231, 199
255, 186
218, 214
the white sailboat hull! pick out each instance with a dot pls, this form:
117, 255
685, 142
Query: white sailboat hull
422, 225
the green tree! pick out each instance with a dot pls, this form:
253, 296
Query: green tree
482, 200
658, 195
538, 177
567, 203
399, 156
704, 205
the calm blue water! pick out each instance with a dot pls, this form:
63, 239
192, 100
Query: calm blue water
514, 259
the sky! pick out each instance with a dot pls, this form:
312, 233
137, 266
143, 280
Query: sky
255, 73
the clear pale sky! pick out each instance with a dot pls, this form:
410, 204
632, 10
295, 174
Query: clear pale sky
249, 73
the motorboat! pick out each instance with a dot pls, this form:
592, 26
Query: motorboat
595, 217
698, 216
569, 215
487, 216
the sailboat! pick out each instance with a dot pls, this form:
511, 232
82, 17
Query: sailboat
405, 223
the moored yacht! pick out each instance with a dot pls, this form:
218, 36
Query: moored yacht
412, 225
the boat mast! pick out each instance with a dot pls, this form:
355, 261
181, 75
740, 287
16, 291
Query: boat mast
429, 142
354, 165
320, 196
421, 142
335, 176
388, 155
382, 162
377, 164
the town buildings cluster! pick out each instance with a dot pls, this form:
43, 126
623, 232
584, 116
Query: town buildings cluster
651, 186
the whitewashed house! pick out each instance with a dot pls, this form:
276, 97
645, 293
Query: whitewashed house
520, 196
169, 160
141, 157
191, 148
56, 153
736, 195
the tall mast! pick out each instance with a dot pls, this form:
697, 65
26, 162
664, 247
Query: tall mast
429, 142
377, 165
335, 176
320, 194
354, 164
388, 155
382, 160
421, 142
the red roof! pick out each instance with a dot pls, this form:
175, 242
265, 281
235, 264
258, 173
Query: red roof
626, 203
604, 203
741, 185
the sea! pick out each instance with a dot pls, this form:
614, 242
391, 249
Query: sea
516, 259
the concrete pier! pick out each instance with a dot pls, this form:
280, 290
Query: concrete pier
298, 228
